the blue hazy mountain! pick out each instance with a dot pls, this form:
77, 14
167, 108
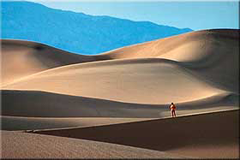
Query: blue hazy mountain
76, 32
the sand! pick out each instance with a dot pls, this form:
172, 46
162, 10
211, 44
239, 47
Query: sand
208, 52
122, 97
23, 58
57, 110
202, 51
187, 135
135, 81
16, 145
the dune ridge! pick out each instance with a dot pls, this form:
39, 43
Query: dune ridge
49, 110
167, 47
22, 58
122, 97
170, 135
121, 77
54, 105
202, 51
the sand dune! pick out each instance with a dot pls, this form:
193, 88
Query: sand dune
189, 47
202, 51
213, 54
16, 145
154, 81
16, 123
23, 58
42, 110
213, 135
43, 104
116, 97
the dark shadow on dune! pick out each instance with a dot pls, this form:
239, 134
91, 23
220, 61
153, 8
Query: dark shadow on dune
221, 66
221, 128
46, 104
49, 56
39, 47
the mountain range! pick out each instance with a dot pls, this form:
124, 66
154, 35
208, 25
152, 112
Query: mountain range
77, 32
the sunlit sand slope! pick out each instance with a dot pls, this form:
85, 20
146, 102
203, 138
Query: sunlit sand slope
154, 81
16, 145
214, 54
22, 58
189, 47
47, 88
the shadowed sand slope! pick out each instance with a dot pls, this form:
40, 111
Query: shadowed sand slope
23, 145
46, 88
154, 81
22, 58
22, 110
188, 47
43, 104
213, 54
16, 123
202, 51
212, 135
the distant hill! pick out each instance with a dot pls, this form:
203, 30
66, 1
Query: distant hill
76, 32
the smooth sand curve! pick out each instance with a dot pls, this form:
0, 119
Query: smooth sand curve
16, 145
47, 88
202, 51
154, 81
22, 58
42, 110
171, 135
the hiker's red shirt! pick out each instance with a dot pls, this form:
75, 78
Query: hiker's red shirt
173, 107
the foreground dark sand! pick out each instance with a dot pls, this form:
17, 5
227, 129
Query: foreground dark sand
212, 135
16, 145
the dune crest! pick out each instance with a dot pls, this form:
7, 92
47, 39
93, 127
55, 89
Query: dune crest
50, 89
151, 81
212, 54
23, 58
202, 51
44, 104
170, 135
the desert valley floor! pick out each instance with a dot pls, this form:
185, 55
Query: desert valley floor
57, 104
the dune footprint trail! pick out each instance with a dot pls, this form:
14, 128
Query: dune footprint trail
55, 89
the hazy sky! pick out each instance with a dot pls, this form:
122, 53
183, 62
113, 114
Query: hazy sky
182, 14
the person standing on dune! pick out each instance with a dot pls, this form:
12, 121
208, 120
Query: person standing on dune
173, 109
